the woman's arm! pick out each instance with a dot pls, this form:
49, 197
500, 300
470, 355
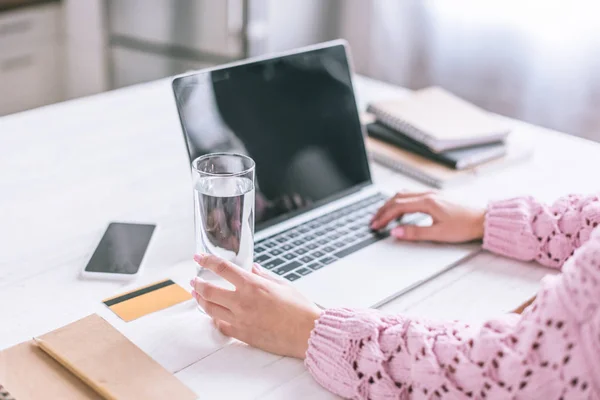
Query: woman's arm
525, 229
520, 228
548, 352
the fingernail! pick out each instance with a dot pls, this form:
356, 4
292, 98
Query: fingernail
398, 232
192, 282
199, 257
373, 225
194, 294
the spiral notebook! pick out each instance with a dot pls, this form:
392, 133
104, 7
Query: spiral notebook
440, 120
467, 157
438, 175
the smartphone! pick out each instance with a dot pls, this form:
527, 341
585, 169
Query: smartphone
120, 252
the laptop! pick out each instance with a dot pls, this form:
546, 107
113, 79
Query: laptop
295, 114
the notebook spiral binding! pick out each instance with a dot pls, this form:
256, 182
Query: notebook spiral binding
398, 124
399, 167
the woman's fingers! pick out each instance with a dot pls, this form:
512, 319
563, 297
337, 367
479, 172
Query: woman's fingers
214, 310
225, 328
260, 271
224, 269
231, 330
213, 293
392, 201
425, 204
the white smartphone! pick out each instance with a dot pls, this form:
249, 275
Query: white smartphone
120, 253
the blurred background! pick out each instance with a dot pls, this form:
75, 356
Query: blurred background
535, 60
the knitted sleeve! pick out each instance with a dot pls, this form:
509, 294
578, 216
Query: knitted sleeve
525, 229
551, 351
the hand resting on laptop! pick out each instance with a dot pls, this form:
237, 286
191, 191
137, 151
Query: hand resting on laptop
452, 223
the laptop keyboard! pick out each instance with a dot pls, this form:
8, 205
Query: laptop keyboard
313, 245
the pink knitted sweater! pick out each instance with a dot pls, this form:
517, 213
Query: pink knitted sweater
551, 351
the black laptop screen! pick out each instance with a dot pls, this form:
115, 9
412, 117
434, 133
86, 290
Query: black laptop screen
295, 115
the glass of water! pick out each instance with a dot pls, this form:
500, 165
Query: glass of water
224, 208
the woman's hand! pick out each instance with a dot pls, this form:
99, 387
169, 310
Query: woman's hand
263, 311
452, 223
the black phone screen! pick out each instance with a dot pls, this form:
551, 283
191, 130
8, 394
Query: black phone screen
121, 249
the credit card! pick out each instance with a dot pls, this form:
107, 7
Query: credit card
148, 299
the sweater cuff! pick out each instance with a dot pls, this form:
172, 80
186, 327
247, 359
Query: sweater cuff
508, 231
328, 351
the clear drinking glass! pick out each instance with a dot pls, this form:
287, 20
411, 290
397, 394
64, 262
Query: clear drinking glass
224, 208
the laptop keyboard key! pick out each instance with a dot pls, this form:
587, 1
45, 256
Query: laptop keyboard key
293, 235
315, 266
308, 238
301, 251
292, 277
339, 245
298, 242
287, 268
276, 252
311, 246
289, 256
317, 254
360, 245
327, 260
282, 239
259, 249
273, 263
329, 249
322, 242
261, 258
306, 259
303, 271
287, 247
270, 244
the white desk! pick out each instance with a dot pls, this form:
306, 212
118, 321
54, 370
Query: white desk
68, 169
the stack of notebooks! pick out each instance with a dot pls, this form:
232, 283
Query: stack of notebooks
439, 138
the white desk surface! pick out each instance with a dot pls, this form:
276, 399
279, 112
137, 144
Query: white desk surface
69, 169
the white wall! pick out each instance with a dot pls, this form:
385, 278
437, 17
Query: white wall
295, 23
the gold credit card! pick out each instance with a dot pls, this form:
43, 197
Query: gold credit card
148, 299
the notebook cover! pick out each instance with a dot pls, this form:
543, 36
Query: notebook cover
28, 373
414, 165
458, 159
440, 120
100, 352
439, 175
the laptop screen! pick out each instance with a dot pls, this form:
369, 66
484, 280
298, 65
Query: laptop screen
295, 115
